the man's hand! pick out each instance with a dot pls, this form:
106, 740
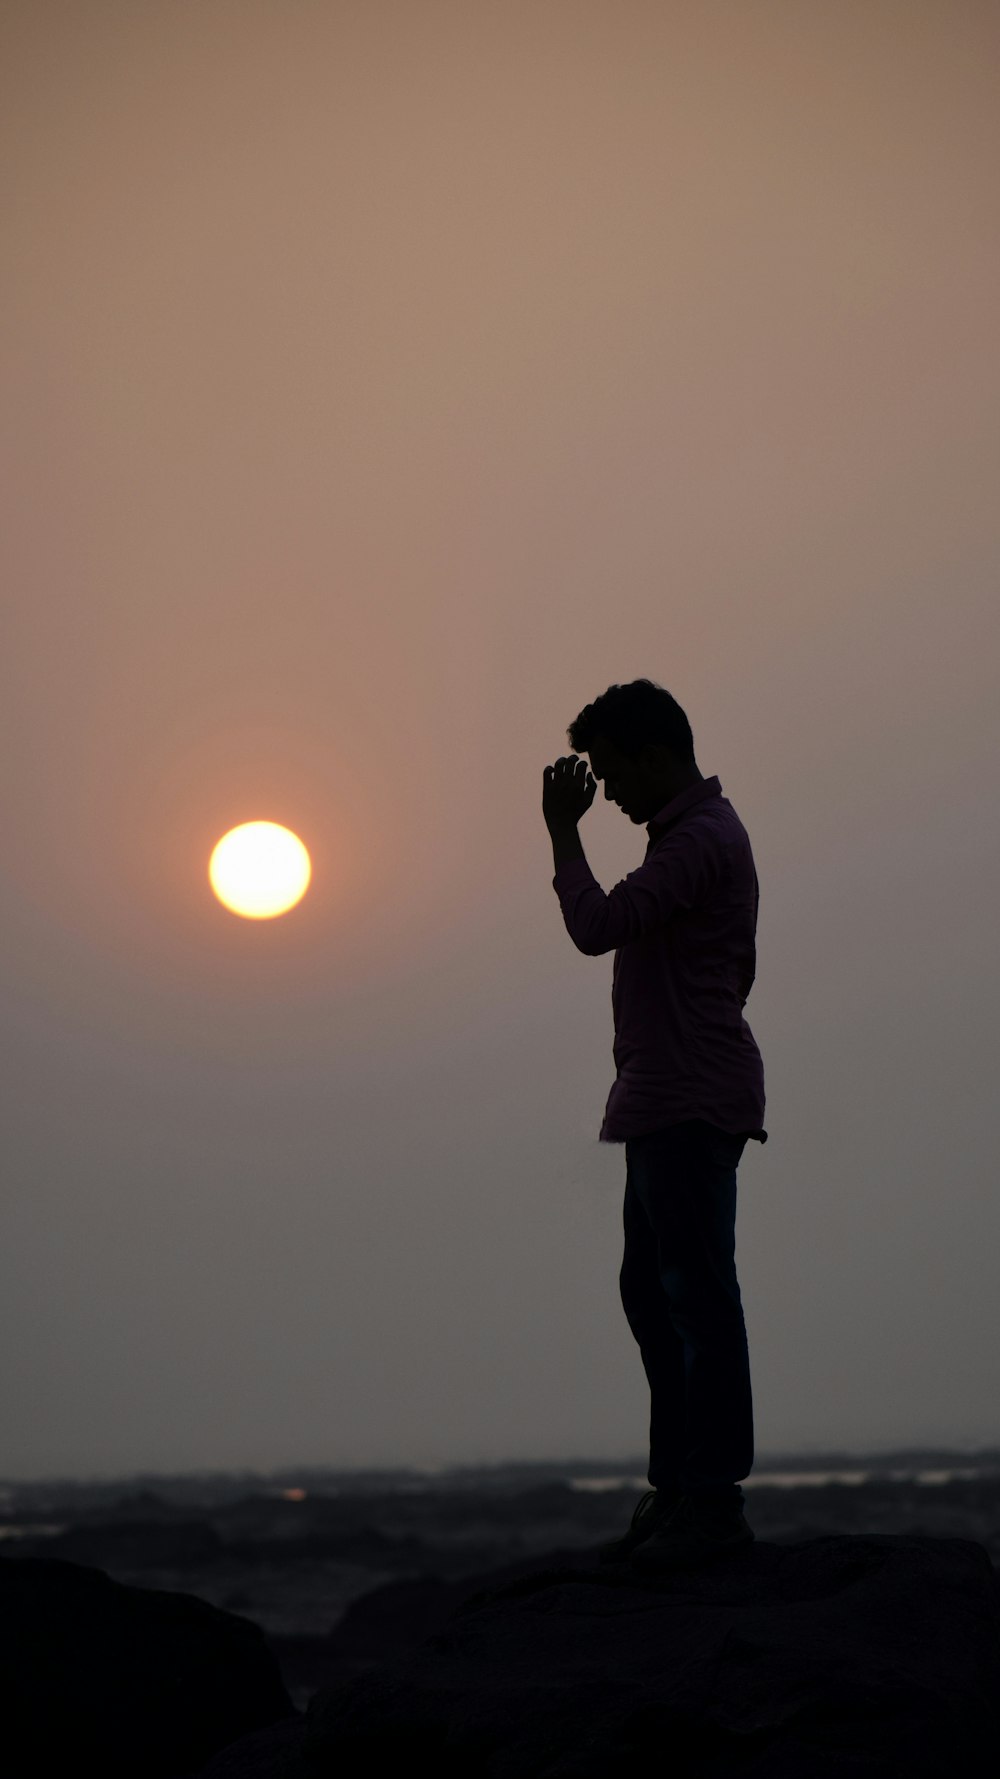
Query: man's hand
568, 790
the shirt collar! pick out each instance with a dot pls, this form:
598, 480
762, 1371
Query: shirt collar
691, 794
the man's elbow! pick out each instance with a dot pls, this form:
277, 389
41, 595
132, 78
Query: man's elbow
591, 946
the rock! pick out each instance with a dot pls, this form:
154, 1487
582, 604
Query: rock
123, 1680
877, 1656
387, 1620
274, 1753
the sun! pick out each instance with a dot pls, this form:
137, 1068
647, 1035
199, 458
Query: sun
259, 869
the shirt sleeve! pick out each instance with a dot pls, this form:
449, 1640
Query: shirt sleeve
674, 878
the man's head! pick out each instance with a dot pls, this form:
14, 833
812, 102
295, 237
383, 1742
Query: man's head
640, 744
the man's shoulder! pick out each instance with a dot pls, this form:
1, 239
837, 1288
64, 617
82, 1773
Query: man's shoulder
707, 851
710, 824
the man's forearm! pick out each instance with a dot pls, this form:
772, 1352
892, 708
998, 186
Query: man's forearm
566, 843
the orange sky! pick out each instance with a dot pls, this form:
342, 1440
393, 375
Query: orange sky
380, 383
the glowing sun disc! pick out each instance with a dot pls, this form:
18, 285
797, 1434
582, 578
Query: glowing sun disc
259, 869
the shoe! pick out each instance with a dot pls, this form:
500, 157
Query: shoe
695, 1535
654, 1509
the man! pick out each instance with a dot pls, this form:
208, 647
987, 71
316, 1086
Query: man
688, 1094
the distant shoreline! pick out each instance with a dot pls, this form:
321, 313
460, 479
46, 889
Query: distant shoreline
927, 1466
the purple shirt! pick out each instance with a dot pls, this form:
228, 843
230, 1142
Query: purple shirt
683, 928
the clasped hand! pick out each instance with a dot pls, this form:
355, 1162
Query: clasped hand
568, 790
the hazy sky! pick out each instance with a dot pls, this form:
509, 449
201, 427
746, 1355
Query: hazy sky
381, 382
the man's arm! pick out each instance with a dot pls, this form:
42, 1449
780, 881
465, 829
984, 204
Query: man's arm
675, 878
566, 843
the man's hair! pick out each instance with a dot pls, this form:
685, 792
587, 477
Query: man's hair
632, 716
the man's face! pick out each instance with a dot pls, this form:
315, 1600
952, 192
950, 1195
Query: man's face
625, 780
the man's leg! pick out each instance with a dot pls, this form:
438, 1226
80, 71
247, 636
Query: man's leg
660, 1347
684, 1180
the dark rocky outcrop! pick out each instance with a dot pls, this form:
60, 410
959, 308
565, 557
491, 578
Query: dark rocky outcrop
117, 1680
391, 1619
872, 1655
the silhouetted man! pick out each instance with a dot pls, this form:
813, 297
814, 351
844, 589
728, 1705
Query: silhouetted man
689, 1092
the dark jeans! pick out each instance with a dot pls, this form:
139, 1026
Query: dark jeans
682, 1300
